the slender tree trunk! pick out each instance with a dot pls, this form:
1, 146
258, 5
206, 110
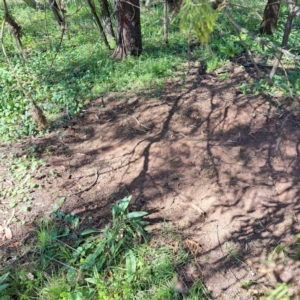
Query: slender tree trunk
129, 36
13, 26
216, 4
57, 13
98, 22
63, 14
166, 21
285, 39
106, 19
37, 113
271, 14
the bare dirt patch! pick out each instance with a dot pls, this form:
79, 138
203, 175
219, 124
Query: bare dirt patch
214, 163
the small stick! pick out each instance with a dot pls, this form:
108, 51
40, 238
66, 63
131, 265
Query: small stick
194, 206
9, 220
90, 186
141, 123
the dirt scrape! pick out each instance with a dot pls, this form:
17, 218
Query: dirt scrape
210, 161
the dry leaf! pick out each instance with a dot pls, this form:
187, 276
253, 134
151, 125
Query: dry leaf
16, 244
249, 262
253, 292
8, 233
30, 276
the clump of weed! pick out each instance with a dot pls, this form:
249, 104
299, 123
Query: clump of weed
116, 262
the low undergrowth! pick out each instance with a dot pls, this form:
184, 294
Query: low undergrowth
62, 73
116, 262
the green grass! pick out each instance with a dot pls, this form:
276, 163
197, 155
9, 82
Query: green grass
82, 69
113, 264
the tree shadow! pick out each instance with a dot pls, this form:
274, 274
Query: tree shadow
204, 158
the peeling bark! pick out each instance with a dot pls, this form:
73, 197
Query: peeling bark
56, 12
106, 19
271, 14
13, 26
128, 36
102, 33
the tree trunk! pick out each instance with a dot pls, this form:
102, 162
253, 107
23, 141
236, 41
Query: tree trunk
13, 26
129, 36
216, 4
56, 12
93, 10
166, 21
271, 14
106, 19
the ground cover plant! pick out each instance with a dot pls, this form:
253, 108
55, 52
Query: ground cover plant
63, 77
197, 107
63, 71
116, 262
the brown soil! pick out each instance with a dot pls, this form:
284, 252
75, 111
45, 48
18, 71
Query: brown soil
220, 166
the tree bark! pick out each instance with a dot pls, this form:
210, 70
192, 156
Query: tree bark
271, 14
102, 33
129, 36
166, 21
56, 11
216, 4
106, 19
13, 26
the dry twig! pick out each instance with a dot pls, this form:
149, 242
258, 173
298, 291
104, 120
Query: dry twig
90, 186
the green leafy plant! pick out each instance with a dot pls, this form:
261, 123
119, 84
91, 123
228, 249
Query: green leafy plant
3, 285
199, 17
21, 172
279, 293
247, 284
110, 263
117, 238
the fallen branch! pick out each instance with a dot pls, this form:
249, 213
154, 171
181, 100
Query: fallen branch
287, 31
260, 40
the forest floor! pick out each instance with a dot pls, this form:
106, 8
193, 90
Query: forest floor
220, 167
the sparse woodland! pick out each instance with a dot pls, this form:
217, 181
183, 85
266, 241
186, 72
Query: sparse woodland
119, 115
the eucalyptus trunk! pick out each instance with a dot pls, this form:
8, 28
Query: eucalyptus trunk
128, 24
98, 22
106, 19
13, 26
271, 14
56, 12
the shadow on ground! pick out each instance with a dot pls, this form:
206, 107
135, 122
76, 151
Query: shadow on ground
221, 166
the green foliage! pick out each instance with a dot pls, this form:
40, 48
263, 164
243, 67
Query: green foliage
107, 264
116, 239
199, 17
64, 79
3, 285
279, 293
296, 247
21, 172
